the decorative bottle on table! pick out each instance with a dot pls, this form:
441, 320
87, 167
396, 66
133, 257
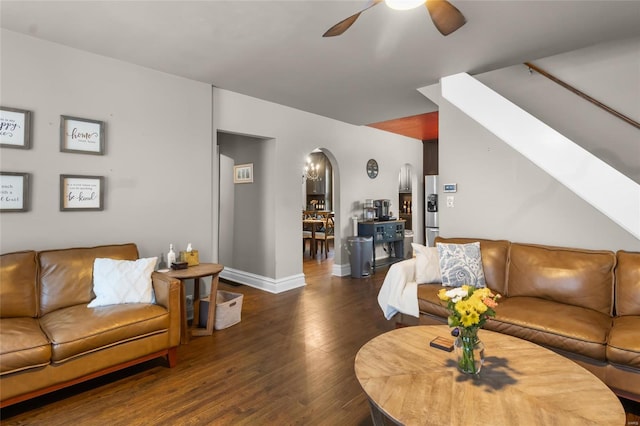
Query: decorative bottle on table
171, 256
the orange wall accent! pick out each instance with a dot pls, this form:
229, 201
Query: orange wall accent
421, 126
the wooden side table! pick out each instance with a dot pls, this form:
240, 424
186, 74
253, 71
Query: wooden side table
196, 273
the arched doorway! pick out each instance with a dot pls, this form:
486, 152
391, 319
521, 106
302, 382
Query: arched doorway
319, 204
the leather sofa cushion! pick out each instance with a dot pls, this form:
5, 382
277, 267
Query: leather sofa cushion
430, 303
628, 283
576, 277
570, 328
78, 330
624, 341
66, 276
494, 259
23, 345
18, 275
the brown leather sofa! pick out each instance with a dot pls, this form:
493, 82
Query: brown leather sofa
583, 304
50, 339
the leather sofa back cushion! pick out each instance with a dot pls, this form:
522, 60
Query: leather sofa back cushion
576, 277
494, 259
66, 276
18, 274
628, 283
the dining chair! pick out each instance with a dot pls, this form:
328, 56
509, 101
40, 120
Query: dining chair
306, 236
306, 232
323, 237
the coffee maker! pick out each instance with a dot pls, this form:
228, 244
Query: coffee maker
369, 211
382, 209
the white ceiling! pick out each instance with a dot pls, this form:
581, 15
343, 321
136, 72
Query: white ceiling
273, 50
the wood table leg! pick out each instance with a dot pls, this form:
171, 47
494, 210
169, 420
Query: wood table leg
376, 416
196, 303
184, 330
211, 314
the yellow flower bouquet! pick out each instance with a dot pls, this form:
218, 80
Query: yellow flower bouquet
469, 308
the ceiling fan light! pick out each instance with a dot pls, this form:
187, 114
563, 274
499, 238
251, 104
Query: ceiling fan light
404, 4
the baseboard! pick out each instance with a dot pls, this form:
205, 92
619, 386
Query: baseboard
341, 270
345, 269
270, 285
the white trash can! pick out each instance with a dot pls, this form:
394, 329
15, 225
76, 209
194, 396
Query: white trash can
408, 239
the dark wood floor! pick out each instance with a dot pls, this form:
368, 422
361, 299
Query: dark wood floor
289, 361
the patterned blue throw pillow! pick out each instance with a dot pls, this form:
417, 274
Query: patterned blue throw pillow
461, 264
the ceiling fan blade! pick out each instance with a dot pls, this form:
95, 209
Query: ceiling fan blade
344, 25
445, 16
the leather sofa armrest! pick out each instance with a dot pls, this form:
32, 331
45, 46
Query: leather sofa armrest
167, 292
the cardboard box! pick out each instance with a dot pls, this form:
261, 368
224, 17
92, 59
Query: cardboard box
228, 310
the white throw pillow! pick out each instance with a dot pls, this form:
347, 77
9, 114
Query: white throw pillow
122, 281
461, 264
427, 264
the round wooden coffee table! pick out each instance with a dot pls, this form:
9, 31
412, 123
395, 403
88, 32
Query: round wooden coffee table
520, 383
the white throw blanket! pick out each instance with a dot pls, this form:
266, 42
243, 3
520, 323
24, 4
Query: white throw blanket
399, 291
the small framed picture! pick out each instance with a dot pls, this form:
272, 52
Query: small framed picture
81, 193
81, 135
14, 192
15, 128
243, 173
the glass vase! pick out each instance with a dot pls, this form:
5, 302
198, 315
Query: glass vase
469, 351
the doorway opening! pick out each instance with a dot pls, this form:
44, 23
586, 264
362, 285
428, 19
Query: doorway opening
407, 203
318, 215
248, 211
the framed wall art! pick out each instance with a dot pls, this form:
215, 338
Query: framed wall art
81, 193
14, 192
243, 173
81, 135
15, 128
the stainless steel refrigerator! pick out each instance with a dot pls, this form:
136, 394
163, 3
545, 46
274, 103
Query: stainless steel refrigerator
431, 209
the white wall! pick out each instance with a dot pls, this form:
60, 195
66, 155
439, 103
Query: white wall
296, 133
158, 150
161, 167
503, 195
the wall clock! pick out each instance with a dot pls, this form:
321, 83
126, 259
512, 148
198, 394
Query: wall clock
372, 168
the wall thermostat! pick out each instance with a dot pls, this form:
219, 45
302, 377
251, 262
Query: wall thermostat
450, 187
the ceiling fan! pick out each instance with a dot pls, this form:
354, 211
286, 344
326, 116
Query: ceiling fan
445, 16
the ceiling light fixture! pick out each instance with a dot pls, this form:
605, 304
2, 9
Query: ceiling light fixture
404, 4
311, 171
445, 16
